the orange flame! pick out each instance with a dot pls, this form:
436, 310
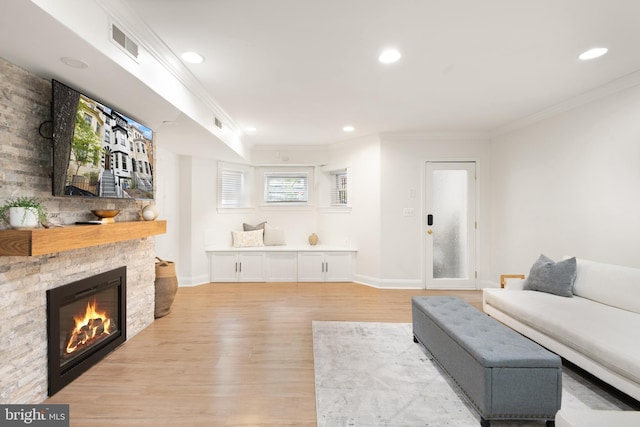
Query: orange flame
89, 326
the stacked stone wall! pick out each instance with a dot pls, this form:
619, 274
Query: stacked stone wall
25, 170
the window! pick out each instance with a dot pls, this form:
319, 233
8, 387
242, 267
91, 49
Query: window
233, 186
286, 187
339, 192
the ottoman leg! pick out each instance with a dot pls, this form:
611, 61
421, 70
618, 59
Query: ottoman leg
551, 423
484, 423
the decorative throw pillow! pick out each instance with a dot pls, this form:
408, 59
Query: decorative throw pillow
245, 239
249, 227
552, 277
273, 236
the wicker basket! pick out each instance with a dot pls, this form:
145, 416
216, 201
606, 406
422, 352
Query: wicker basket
166, 287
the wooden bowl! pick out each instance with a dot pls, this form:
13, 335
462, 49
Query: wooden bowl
105, 213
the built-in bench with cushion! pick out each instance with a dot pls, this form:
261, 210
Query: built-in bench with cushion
503, 374
260, 253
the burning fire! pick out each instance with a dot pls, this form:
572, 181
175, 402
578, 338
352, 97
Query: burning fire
90, 326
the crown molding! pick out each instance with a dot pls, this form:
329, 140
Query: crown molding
436, 136
614, 86
125, 16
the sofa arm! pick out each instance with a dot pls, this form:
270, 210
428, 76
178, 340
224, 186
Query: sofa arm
511, 281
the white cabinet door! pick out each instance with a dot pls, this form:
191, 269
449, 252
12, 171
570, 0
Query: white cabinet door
237, 267
224, 267
325, 266
251, 267
310, 266
285, 266
338, 267
282, 267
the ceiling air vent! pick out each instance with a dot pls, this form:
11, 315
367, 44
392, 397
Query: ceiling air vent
124, 41
217, 122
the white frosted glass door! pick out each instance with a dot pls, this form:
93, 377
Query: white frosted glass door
450, 225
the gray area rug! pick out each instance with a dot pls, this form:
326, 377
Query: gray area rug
373, 374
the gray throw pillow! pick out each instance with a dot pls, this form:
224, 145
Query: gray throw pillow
249, 227
552, 277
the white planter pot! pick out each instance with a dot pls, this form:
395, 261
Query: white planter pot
23, 217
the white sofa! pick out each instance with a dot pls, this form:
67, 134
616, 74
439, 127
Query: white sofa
598, 328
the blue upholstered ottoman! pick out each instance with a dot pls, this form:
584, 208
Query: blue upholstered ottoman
503, 374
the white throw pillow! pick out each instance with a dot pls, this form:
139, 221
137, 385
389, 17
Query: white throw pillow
245, 239
273, 236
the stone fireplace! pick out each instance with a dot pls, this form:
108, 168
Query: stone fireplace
86, 320
25, 281
25, 170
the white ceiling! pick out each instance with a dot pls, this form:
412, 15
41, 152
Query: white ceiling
300, 70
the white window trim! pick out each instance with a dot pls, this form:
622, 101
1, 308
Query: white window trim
334, 208
334, 174
246, 186
287, 170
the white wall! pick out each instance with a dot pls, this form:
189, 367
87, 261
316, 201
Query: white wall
358, 226
381, 173
402, 177
569, 185
187, 198
167, 190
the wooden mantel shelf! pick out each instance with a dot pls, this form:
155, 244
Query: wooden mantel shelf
41, 241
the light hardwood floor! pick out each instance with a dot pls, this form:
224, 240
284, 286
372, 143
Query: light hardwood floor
228, 355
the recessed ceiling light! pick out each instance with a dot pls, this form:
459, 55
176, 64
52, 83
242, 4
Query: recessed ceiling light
192, 57
389, 56
348, 129
74, 63
596, 52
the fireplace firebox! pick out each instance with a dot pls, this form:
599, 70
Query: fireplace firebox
85, 320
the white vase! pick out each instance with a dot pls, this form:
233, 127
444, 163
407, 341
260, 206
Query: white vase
23, 217
150, 212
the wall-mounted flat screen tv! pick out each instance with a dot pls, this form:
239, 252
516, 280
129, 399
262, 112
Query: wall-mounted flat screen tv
97, 151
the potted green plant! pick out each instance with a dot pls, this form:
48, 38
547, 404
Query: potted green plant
23, 212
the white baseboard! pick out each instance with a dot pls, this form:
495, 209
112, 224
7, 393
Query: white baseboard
413, 284
185, 282
388, 284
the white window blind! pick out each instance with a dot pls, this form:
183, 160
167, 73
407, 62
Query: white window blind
286, 187
231, 185
339, 193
